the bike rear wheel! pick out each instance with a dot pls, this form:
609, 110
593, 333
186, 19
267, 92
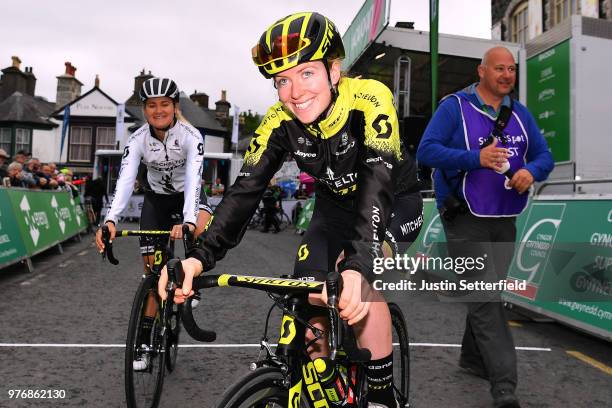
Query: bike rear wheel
401, 355
262, 388
143, 388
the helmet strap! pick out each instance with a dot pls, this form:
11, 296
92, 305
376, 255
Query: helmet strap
167, 128
334, 94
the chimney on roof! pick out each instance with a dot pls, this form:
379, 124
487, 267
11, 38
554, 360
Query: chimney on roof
222, 107
138, 80
68, 87
200, 99
30, 81
97, 81
13, 79
16, 61
70, 69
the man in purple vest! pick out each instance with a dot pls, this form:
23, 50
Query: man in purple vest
483, 171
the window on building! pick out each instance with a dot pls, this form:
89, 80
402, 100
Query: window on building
5, 139
105, 138
80, 144
23, 139
519, 26
562, 9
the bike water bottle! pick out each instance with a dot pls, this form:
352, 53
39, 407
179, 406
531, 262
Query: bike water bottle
331, 380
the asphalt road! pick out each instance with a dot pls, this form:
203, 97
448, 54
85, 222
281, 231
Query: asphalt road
63, 326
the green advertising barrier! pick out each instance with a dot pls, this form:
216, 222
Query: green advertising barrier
45, 218
563, 253
548, 97
305, 215
11, 244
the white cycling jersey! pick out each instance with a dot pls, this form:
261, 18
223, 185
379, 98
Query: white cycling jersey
174, 166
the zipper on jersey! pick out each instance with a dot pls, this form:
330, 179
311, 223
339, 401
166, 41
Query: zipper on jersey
164, 143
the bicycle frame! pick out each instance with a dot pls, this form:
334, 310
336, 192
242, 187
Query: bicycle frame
301, 378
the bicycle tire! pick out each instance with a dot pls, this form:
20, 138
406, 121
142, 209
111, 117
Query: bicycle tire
401, 374
171, 337
283, 221
259, 388
143, 388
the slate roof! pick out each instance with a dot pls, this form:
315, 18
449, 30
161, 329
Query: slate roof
24, 108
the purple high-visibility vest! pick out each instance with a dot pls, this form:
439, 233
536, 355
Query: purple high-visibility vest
486, 192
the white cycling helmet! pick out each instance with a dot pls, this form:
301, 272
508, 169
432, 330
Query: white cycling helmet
158, 87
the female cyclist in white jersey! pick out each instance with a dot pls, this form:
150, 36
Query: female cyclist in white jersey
172, 151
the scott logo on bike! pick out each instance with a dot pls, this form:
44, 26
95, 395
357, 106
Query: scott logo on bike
287, 330
158, 258
303, 252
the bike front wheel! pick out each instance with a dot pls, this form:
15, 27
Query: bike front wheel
260, 388
143, 388
401, 355
171, 336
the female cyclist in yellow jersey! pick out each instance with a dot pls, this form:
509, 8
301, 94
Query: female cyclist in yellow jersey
344, 133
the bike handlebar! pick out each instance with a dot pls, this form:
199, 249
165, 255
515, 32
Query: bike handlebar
283, 286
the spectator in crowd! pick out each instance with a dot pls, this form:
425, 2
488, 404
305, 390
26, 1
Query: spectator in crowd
15, 175
71, 182
218, 188
32, 173
270, 202
3, 158
53, 167
301, 192
46, 174
95, 191
21, 157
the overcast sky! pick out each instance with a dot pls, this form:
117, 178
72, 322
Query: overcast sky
202, 44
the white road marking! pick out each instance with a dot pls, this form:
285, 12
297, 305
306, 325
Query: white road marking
92, 345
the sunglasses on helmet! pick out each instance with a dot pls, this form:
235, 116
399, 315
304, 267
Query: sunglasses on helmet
283, 46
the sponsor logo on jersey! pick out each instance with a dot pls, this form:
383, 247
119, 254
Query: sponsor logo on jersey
304, 154
346, 149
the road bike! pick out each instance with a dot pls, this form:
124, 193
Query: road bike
287, 377
143, 388
257, 220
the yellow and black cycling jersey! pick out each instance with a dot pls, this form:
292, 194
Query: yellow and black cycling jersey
354, 155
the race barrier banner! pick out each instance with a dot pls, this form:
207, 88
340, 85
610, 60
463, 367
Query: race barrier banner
563, 253
34, 221
305, 215
11, 244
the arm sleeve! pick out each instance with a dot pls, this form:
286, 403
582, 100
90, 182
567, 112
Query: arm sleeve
193, 175
132, 154
539, 159
437, 148
262, 160
379, 154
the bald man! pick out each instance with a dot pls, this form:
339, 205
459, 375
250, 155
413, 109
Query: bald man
483, 170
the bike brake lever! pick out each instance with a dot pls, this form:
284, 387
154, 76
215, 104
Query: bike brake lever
187, 238
108, 246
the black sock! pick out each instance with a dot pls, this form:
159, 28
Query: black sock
380, 381
145, 331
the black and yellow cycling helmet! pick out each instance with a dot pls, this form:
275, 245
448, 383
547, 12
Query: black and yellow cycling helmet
297, 38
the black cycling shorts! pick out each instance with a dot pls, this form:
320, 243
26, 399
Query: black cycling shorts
160, 212
330, 227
